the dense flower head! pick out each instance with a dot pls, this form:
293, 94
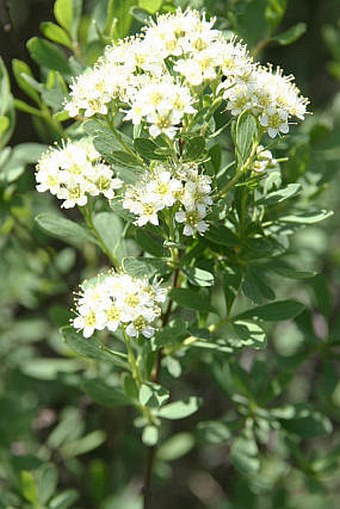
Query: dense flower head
117, 300
73, 172
182, 188
270, 96
157, 76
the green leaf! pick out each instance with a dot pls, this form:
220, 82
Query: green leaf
150, 436
111, 229
20, 71
322, 293
56, 34
191, 300
309, 217
55, 91
173, 366
179, 409
199, 277
153, 395
26, 108
64, 500
70, 427
130, 388
125, 158
4, 125
64, 229
303, 420
91, 348
48, 55
275, 311
104, 394
244, 454
250, 334
214, 345
232, 279
28, 487
274, 12
147, 149
68, 13
48, 369
172, 333
193, 148
126, 164
84, 444
176, 447
141, 15
291, 35
245, 136
281, 195
222, 236
7, 112
61, 116
145, 267
47, 480
148, 243
290, 273
20, 156
213, 432
214, 164
63, 13
255, 287
102, 133
151, 6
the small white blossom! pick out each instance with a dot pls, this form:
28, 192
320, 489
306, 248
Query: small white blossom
264, 160
89, 320
193, 220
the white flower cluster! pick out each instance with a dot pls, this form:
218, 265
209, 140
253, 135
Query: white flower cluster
270, 96
156, 78
118, 300
264, 160
182, 188
73, 172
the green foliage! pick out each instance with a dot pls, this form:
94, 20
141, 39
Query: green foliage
62, 228
48, 55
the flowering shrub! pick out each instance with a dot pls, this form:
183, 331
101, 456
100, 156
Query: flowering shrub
172, 148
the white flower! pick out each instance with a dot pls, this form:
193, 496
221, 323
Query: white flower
193, 220
164, 187
104, 181
148, 212
89, 320
264, 160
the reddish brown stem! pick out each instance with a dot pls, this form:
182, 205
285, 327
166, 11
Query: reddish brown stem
147, 493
